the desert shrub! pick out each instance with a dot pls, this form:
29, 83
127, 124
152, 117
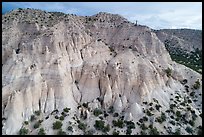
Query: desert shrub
32, 118
116, 132
168, 72
70, 128
158, 106
192, 93
115, 114
172, 122
23, 131
177, 131
191, 122
144, 103
119, 123
56, 117
106, 128
97, 112
197, 84
61, 132
128, 131
130, 124
199, 132
110, 109
145, 118
40, 121
178, 113
66, 109
99, 124
143, 132
26, 122
189, 129
184, 81
163, 116
85, 105
41, 131
57, 125
36, 125
149, 113
37, 113
61, 118
143, 127
82, 126
154, 131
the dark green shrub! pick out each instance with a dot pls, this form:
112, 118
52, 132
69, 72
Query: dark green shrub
61, 132
143, 127
99, 124
128, 131
197, 84
82, 126
32, 118
36, 125
177, 131
119, 123
172, 122
116, 132
37, 113
153, 131
106, 128
191, 122
70, 128
26, 122
158, 106
168, 72
57, 125
145, 118
97, 112
178, 114
56, 117
149, 113
189, 129
66, 109
143, 132
130, 124
41, 131
115, 114
85, 105
110, 109
23, 131
61, 118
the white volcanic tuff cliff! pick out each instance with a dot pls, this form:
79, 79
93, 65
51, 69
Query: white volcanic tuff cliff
66, 64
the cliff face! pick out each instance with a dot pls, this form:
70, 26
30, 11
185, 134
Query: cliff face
52, 61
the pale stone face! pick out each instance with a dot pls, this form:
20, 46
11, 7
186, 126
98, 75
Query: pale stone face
66, 64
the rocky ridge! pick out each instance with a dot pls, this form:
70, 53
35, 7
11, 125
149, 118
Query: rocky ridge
52, 62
